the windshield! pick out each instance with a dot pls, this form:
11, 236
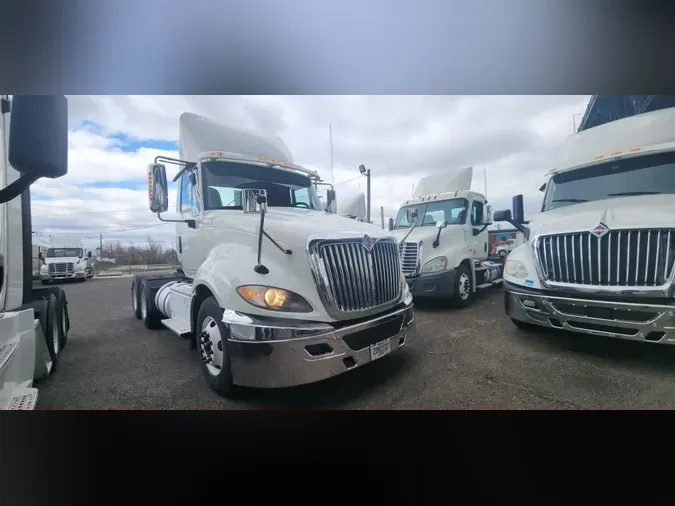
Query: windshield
223, 182
453, 211
644, 175
64, 252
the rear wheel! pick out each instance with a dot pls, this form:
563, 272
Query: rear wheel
135, 305
64, 318
150, 315
212, 343
52, 330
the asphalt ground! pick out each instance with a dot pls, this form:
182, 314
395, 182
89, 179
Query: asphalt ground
471, 358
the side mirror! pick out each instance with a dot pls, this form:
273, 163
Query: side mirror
542, 188
88, 254
518, 209
391, 224
254, 201
441, 224
331, 201
504, 215
487, 219
158, 191
38, 135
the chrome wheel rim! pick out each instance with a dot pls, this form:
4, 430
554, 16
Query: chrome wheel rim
464, 286
134, 299
212, 346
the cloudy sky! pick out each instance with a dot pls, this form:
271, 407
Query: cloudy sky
400, 138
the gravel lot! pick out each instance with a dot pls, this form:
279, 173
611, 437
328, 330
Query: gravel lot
474, 358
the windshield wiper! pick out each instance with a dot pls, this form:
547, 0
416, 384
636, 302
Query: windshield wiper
569, 200
632, 193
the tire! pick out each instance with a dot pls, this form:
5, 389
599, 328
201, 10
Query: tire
150, 315
135, 301
65, 318
527, 327
210, 329
52, 332
503, 254
463, 294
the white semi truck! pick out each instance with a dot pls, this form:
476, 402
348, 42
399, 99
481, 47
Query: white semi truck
34, 323
444, 239
66, 259
273, 290
599, 256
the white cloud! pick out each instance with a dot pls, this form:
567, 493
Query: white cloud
400, 138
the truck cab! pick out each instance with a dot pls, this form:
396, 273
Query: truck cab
599, 255
65, 259
273, 290
444, 239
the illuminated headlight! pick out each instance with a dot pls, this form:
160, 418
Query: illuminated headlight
275, 299
516, 269
438, 264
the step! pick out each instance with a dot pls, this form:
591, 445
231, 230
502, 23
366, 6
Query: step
497, 281
24, 398
176, 327
6, 353
484, 285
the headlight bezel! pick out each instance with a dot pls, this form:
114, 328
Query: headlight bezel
516, 268
257, 296
444, 265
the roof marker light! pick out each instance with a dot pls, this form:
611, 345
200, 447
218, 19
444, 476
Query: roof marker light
599, 157
616, 153
633, 150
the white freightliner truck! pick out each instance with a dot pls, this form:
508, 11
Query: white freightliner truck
444, 239
34, 323
273, 290
66, 259
599, 256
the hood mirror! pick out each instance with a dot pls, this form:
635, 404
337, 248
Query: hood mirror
254, 201
391, 224
441, 224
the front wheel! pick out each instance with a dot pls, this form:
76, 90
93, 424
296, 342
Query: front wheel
212, 343
463, 294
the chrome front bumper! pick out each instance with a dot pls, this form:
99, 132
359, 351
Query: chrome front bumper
63, 275
267, 353
625, 320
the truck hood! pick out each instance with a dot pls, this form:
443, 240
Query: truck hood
653, 211
60, 260
293, 226
426, 234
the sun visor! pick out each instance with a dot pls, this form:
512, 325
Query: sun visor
198, 134
456, 180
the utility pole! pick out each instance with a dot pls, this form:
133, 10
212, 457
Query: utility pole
100, 251
382, 216
332, 171
368, 195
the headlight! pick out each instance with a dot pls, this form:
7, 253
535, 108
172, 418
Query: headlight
275, 299
438, 264
516, 269
44, 268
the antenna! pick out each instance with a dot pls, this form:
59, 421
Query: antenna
332, 171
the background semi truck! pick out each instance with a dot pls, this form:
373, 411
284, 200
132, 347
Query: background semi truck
273, 290
444, 239
599, 256
34, 323
66, 259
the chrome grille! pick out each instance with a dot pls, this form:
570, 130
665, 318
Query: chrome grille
409, 252
352, 279
622, 258
61, 267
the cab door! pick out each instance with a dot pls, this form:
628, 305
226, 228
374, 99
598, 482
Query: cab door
187, 231
478, 244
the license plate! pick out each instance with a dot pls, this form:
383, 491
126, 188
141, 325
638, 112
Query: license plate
379, 350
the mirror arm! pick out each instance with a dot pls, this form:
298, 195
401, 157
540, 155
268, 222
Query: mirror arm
190, 223
479, 232
16, 188
521, 228
437, 241
283, 250
409, 232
